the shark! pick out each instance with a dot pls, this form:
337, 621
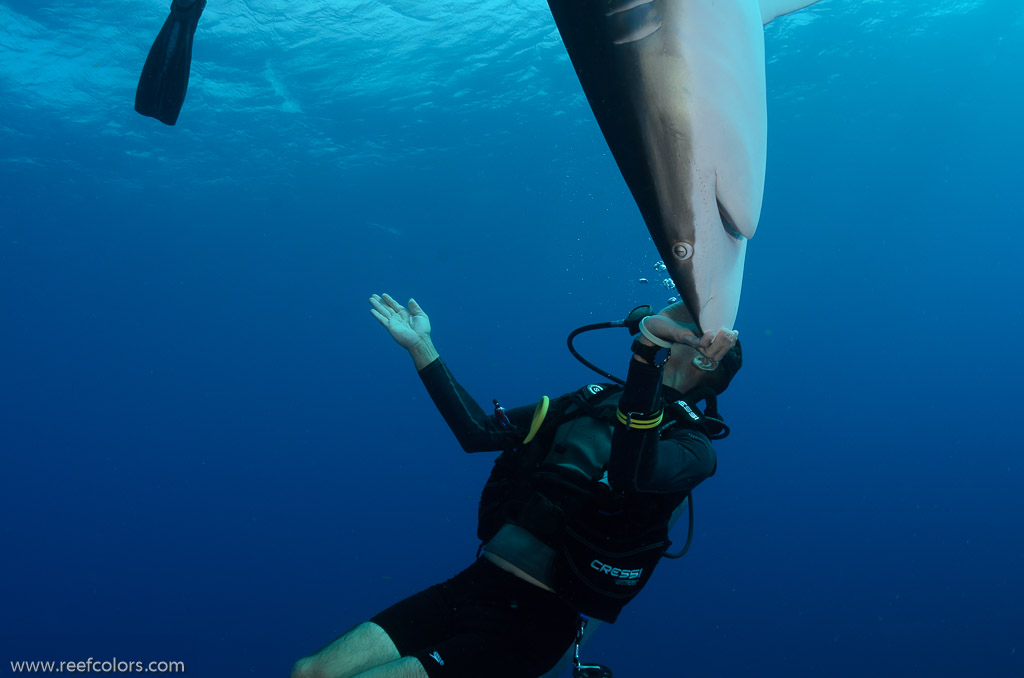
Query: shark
678, 89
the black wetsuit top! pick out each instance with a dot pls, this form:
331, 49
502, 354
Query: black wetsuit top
673, 464
666, 466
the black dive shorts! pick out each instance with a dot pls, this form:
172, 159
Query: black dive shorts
482, 622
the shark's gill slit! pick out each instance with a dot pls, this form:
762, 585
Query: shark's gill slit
616, 6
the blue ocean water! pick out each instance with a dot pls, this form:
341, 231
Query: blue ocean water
212, 453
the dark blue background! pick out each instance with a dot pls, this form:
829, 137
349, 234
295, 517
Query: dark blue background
212, 453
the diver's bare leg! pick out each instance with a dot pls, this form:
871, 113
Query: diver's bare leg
365, 651
406, 667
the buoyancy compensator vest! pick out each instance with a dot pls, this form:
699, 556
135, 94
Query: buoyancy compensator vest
607, 543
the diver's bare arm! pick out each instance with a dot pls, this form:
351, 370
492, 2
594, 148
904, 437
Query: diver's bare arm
423, 353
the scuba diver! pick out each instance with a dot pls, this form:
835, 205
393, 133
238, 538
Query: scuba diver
164, 80
575, 514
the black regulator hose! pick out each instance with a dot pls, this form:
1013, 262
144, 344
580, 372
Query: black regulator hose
630, 322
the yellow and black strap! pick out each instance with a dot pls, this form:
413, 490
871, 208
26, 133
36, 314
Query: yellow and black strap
640, 420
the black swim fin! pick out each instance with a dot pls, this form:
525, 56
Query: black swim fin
164, 80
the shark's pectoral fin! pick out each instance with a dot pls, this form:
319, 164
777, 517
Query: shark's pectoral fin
737, 227
739, 210
771, 9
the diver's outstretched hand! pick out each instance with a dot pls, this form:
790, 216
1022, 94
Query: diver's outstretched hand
409, 327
